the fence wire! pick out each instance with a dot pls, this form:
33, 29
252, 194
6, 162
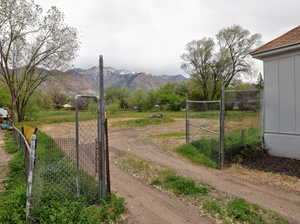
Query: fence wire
243, 122
203, 128
227, 130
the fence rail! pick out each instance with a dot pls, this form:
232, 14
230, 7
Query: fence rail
29, 161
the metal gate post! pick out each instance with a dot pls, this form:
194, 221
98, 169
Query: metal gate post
102, 153
187, 131
222, 123
77, 142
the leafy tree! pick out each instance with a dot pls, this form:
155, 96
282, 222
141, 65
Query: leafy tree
172, 95
117, 95
138, 100
4, 96
58, 97
31, 44
260, 82
210, 66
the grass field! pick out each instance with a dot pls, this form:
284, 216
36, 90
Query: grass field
60, 116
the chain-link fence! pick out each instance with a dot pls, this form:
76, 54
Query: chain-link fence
243, 129
226, 130
203, 128
68, 164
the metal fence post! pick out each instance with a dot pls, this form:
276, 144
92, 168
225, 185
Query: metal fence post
107, 158
77, 143
30, 178
187, 139
222, 126
102, 153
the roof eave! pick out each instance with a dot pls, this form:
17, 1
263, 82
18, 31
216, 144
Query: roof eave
273, 51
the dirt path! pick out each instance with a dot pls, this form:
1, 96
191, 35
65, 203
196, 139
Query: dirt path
146, 204
4, 159
285, 203
134, 140
149, 205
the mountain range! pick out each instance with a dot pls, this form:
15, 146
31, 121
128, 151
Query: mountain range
84, 81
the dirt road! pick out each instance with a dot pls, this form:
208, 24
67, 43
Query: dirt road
285, 203
149, 205
146, 204
135, 141
4, 159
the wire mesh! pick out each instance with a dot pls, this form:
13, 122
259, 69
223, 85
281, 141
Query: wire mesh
203, 126
61, 174
242, 121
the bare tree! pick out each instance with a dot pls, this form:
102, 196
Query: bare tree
31, 44
210, 66
236, 43
198, 60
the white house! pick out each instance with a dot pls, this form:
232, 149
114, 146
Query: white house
281, 58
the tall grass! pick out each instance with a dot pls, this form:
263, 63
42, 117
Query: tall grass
240, 143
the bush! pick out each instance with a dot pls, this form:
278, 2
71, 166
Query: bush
113, 108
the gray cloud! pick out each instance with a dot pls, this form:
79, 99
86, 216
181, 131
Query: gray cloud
150, 35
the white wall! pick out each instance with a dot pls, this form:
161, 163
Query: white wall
282, 106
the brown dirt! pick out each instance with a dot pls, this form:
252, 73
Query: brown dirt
146, 204
149, 205
136, 141
4, 159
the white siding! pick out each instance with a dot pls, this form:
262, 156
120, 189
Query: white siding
297, 91
283, 145
271, 96
282, 105
286, 95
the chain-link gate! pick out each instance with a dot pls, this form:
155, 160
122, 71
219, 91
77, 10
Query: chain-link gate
224, 130
243, 121
204, 129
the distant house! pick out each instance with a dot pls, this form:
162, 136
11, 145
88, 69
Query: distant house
67, 106
281, 59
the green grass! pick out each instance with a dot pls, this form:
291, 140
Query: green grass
57, 204
144, 122
240, 210
59, 116
180, 185
213, 203
190, 152
170, 134
237, 145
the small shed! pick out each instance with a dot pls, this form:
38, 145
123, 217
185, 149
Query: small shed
281, 59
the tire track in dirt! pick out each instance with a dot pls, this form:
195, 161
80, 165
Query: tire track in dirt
285, 203
146, 204
149, 205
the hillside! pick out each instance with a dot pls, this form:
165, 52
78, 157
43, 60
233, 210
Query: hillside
84, 81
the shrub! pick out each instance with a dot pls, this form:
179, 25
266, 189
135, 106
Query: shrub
113, 108
240, 210
180, 185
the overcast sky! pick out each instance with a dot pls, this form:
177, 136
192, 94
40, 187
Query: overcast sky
150, 35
